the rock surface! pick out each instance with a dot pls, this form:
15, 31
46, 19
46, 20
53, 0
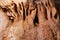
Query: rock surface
29, 20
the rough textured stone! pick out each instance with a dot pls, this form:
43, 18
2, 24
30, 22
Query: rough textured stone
29, 20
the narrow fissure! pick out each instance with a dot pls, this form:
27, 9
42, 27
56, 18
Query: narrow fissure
46, 14
36, 18
23, 12
15, 8
51, 14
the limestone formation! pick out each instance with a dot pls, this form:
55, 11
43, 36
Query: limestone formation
29, 20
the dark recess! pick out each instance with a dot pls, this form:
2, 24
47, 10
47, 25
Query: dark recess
36, 18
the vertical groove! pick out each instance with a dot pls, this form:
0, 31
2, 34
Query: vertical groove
27, 10
15, 8
36, 17
46, 14
51, 14
23, 12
